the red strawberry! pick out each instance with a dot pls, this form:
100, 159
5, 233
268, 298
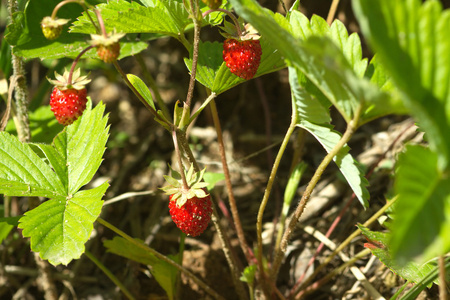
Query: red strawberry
190, 207
242, 57
193, 217
68, 105
68, 99
52, 28
108, 47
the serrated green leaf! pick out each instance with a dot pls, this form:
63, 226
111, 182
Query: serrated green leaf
23, 173
308, 107
328, 138
318, 57
60, 227
411, 271
142, 88
30, 42
421, 227
411, 40
86, 139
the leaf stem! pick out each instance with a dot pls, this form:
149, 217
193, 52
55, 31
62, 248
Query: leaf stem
279, 251
110, 275
443, 294
259, 220
160, 256
226, 171
139, 96
332, 11
180, 163
74, 63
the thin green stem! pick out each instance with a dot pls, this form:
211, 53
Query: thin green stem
226, 171
279, 251
259, 220
211, 97
158, 255
75, 61
180, 163
109, 274
140, 97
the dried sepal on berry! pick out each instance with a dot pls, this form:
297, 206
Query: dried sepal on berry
52, 28
108, 47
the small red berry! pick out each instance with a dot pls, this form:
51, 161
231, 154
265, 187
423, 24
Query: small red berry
213, 4
68, 105
193, 217
242, 57
69, 96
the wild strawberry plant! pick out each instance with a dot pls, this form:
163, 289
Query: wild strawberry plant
409, 74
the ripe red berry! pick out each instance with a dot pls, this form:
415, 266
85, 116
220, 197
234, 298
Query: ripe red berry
68, 104
193, 217
242, 57
68, 98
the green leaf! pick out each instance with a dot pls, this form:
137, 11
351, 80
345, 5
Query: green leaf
347, 165
379, 246
86, 139
421, 227
162, 17
122, 247
140, 86
212, 179
333, 65
163, 272
412, 42
23, 173
60, 227
26, 35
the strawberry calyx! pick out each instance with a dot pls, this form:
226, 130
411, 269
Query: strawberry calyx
64, 82
230, 31
180, 193
108, 40
52, 28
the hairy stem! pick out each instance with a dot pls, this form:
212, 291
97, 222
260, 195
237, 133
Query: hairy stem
279, 252
259, 221
443, 295
226, 171
158, 255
